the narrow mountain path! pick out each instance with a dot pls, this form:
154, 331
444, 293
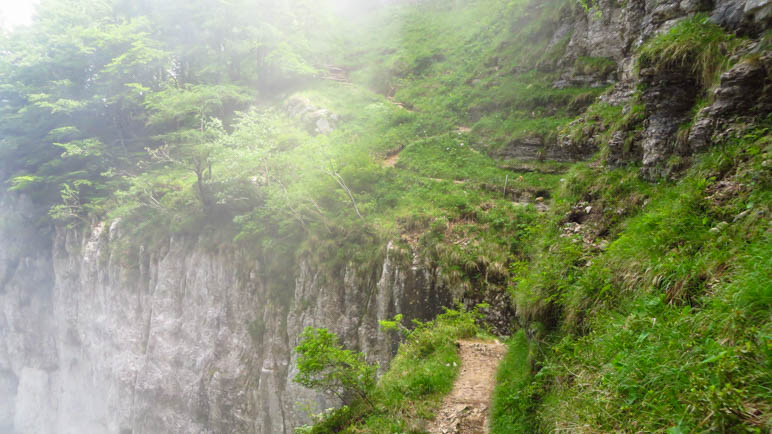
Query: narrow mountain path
466, 409
334, 73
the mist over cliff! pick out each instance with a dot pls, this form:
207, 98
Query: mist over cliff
188, 185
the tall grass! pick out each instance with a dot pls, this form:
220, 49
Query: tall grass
668, 328
696, 45
513, 396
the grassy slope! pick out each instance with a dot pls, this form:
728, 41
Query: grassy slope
510, 410
653, 317
445, 194
657, 309
668, 327
472, 65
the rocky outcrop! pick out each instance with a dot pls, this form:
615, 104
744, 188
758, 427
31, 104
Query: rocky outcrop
615, 29
746, 16
184, 338
530, 148
314, 119
668, 99
616, 32
746, 89
575, 149
759, 13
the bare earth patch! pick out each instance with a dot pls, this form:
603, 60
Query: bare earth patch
466, 409
391, 160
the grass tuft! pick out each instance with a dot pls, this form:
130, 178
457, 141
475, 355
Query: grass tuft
513, 398
696, 45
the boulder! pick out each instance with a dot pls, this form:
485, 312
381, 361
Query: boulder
315, 120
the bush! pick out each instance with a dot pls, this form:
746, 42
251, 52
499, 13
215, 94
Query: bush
421, 373
326, 366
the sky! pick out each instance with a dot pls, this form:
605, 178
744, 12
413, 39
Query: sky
14, 13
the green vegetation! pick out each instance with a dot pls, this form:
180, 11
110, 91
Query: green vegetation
695, 45
666, 328
207, 147
293, 131
420, 375
514, 394
324, 364
473, 66
601, 66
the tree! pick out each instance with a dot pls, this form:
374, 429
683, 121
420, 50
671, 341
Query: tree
324, 365
70, 99
331, 171
92, 84
191, 134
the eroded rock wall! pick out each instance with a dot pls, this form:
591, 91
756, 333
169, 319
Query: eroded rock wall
615, 30
99, 338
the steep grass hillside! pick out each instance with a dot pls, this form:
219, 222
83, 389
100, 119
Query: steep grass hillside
662, 323
643, 302
590, 180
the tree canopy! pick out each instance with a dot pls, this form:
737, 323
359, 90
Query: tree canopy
96, 91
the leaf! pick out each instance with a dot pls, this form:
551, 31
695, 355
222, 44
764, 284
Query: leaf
23, 182
81, 148
642, 337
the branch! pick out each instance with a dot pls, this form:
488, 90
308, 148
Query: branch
332, 173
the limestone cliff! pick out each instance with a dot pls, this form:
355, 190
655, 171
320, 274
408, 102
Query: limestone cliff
186, 338
97, 339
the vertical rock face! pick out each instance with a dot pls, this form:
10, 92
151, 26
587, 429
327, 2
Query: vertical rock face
669, 99
615, 30
27, 352
99, 339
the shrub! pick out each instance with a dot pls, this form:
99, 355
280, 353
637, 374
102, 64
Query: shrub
324, 365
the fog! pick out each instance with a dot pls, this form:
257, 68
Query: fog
157, 187
188, 185
16, 13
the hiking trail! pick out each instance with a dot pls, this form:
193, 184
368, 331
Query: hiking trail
467, 408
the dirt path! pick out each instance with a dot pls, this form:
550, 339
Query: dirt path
466, 409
